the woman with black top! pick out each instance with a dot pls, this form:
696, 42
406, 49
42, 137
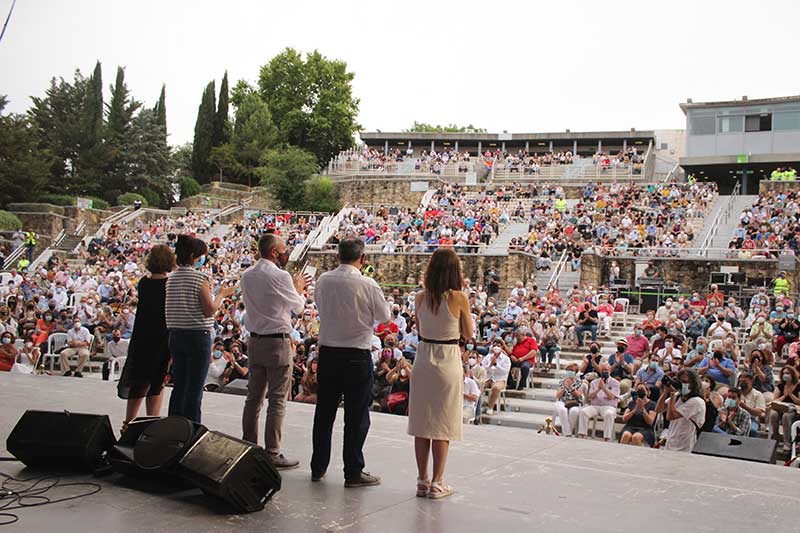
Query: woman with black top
639, 419
148, 354
713, 403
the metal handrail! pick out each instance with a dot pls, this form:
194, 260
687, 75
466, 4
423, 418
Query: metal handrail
553, 281
671, 173
13, 257
724, 212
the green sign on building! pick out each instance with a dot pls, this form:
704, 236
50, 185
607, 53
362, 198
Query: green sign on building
743, 158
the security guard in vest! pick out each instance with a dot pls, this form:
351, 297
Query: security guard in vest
782, 285
30, 244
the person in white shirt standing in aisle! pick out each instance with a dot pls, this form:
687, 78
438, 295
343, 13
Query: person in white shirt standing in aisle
78, 340
270, 296
349, 304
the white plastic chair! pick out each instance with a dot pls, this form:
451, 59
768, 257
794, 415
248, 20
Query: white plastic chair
624, 302
55, 342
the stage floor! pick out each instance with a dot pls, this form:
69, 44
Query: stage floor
506, 480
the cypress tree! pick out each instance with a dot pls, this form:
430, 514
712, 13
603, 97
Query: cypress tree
161, 109
121, 109
222, 123
93, 108
203, 136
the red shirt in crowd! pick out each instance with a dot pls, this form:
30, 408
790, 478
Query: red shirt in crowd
382, 330
637, 346
523, 348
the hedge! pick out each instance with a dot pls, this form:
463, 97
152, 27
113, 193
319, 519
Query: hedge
129, 198
9, 221
30, 207
58, 199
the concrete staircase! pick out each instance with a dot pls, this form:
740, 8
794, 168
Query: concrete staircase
529, 407
728, 224
68, 243
499, 246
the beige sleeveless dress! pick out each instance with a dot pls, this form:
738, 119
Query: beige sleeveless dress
437, 377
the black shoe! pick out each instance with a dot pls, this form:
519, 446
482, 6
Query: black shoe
364, 479
317, 476
78, 375
67, 374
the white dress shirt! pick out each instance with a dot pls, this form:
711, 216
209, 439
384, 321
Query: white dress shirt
269, 298
81, 335
117, 349
499, 370
349, 304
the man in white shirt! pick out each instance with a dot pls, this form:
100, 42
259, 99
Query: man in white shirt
471, 395
78, 341
497, 365
270, 295
349, 304
685, 409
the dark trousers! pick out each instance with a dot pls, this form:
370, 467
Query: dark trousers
342, 372
191, 356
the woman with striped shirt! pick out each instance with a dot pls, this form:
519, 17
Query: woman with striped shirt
190, 310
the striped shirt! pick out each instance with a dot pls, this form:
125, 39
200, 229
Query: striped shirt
183, 310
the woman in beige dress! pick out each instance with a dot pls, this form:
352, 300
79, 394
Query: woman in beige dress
436, 396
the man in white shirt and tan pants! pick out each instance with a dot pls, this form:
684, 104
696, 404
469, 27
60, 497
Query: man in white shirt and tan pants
270, 296
349, 304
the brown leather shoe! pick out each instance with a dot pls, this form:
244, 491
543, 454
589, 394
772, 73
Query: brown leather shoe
364, 479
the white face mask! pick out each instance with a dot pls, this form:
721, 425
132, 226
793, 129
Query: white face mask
496, 350
472, 361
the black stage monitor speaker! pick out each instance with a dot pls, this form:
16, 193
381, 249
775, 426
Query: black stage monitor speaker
231, 469
64, 440
738, 278
733, 447
719, 277
152, 445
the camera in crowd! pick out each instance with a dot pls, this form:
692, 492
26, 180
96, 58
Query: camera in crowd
671, 381
636, 394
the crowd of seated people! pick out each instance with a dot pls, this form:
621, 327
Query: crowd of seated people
768, 228
428, 161
450, 219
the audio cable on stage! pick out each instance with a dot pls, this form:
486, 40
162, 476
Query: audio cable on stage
33, 492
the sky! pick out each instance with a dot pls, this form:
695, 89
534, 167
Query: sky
517, 66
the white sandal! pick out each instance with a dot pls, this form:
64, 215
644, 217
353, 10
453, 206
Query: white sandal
423, 486
439, 490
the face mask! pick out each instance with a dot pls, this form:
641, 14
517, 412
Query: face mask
620, 349
786, 378
496, 349
790, 315
472, 361
653, 365
684, 389
570, 374
200, 262
730, 403
593, 349
395, 312
706, 385
604, 375
637, 332
77, 326
217, 354
116, 339
760, 320
470, 347
779, 308
494, 327
6, 340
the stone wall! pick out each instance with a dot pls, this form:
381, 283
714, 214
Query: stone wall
691, 274
409, 269
382, 192
765, 186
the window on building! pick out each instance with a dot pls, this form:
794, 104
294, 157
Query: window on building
789, 120
762, 122
731, 124
702, 126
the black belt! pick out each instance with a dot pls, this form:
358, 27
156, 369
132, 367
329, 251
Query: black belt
431, 341
271, 336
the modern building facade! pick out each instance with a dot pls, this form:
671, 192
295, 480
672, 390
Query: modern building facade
741, 140
584, 144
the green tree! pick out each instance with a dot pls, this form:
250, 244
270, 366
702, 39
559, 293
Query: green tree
311, 102
222, 121
253, 133
121, 110
58, 120
129, 198
182, 159
149, 159
240, 91
223, 158
285, 171
189, 187
24, 167
95, 155
161, 110
202, 169
321, 195
422, 127
9, 221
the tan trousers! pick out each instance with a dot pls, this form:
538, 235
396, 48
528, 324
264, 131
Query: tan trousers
83, 357
270, 376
